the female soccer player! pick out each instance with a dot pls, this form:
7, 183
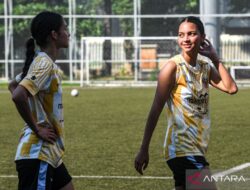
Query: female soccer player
183, 86
37, 94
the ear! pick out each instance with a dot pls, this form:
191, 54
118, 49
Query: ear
54, 35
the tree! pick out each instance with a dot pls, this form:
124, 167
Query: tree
107, 32
101, 26
165, 26
124, 7
239, 6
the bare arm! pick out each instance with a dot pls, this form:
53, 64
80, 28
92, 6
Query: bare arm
219, 77
12, 86
166, 81
20, 97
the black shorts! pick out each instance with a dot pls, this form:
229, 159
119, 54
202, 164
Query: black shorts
35, 174
179, 165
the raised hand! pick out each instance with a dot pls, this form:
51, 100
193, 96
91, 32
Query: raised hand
206, 49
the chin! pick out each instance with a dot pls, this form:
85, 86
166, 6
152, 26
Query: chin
187, 51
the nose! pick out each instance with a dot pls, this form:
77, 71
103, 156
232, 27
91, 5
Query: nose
186, 38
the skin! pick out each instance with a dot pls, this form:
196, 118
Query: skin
56, 41
191, 42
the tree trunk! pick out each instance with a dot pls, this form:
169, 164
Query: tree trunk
107, 43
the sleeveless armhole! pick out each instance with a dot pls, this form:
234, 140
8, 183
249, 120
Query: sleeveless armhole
177, 60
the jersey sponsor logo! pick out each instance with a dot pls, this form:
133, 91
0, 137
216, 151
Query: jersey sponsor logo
203, 99
33, 77
199, 105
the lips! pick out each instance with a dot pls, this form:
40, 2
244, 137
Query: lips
187, 46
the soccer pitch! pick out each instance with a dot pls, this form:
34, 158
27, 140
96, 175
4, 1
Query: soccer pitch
103, 131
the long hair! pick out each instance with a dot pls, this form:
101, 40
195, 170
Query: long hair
30, 53
41, 27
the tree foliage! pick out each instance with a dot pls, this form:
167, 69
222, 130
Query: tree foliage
95, 27
239, 6
165, 26
32, 8
1, 8
1, 22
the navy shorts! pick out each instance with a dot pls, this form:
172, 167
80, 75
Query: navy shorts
179, 165
35, 174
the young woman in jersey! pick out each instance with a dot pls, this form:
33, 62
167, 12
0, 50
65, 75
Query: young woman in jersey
37, 94
183, 86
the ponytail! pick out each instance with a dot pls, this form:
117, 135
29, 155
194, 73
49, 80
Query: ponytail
30, 53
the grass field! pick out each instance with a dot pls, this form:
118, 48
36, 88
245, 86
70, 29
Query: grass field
104, 128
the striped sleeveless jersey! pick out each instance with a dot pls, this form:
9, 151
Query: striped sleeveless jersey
187, 110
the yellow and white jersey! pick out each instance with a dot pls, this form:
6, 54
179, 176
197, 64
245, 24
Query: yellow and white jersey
43, 81
187, 110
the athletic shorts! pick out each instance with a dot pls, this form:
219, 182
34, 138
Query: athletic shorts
179, 165
34, 174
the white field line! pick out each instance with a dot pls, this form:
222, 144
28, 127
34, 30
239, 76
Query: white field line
8, 176
103, 177
232, 170
121, 177
220, 174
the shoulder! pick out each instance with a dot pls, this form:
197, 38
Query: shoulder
176, 59
168, 71
42, 62
172, 63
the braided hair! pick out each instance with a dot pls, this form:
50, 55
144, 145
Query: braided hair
41, 27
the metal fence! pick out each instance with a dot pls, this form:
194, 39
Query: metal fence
234, 49
138, 59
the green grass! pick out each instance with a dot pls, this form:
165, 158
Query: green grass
104, 128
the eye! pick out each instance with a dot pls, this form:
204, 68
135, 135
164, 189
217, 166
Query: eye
192, 34
181, 35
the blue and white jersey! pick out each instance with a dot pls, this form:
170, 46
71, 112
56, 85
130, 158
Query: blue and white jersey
43, 81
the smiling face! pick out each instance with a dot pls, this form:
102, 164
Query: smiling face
189, 38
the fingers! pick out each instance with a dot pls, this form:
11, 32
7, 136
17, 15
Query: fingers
138, 167
145, 165
207, 41
208, 44
47, 134
205, 44
52, 136
141, 161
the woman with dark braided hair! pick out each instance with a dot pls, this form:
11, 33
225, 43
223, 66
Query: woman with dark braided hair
37, 94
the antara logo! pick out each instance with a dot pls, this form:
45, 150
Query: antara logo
231, 178
195, 179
